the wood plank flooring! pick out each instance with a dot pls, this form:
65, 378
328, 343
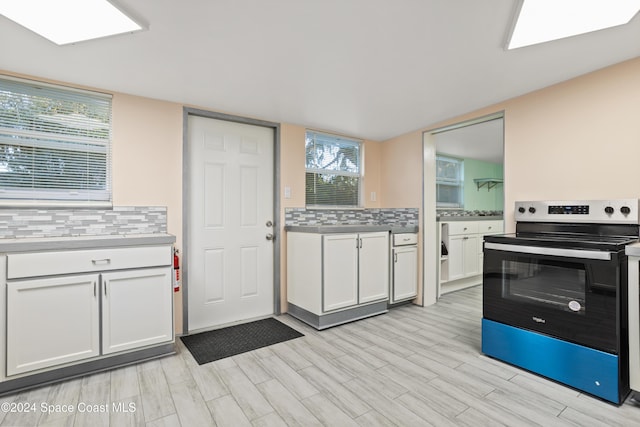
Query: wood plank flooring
411, 367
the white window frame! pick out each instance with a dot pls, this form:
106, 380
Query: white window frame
81, 145
358, 173
453, 182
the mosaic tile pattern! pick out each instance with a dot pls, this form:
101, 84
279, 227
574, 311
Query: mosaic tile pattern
396, 217
459, 212
25, 223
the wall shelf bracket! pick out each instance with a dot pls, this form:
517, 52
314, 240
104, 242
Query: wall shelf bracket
488, 182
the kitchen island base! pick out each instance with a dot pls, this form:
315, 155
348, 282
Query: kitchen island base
86, 368
329, 320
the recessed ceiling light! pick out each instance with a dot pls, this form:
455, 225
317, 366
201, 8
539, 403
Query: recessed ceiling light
545, 20
69, 21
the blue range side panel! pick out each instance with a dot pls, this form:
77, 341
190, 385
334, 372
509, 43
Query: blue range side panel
586, 369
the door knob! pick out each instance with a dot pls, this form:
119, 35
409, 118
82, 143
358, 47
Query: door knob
270, 236
269, 224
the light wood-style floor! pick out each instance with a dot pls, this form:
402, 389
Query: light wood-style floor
411, 367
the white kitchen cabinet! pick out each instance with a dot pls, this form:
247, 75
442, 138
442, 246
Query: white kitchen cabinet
373, 267
51, 321
71, 306
461, 266
355, 269
334, 278
405, 272
463, 257
463, 250
340, 271
136, 309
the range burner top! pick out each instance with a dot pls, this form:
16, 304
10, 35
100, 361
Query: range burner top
593, 242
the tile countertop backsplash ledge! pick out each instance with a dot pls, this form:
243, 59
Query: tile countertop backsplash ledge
121, 220
399, 217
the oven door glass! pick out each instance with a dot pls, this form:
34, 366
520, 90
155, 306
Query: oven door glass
552, 284
573, 299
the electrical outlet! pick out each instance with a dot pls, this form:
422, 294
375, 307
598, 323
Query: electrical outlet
287, 192
373, 196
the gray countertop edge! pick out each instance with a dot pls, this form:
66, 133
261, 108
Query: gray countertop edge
470, 218
83, 242
354, 228
633, 250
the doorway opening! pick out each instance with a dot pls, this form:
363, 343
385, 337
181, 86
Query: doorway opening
472, 141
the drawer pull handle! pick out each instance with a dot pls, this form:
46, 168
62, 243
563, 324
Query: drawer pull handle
101, 261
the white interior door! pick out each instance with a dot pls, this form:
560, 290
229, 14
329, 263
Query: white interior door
230, 185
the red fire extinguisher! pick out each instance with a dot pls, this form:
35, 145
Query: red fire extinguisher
176, 270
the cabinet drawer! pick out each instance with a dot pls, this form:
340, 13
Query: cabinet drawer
36, 264
463, 227
401, 239
490, 227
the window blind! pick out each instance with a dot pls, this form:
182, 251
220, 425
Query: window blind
55, 144
449, 182
333, 170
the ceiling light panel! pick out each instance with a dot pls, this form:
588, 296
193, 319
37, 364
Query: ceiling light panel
69, 21
545, 20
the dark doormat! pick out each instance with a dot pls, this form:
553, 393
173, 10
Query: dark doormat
208, 346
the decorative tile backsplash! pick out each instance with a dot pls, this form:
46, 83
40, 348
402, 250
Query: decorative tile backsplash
460, 212
398, 217
25, 223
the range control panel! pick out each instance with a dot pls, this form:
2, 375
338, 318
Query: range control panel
616, 211
568, 210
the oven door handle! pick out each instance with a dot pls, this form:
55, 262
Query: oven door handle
536, 250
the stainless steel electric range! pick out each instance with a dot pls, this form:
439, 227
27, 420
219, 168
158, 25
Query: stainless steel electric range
555, 293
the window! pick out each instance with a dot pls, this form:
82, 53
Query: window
449, 182
55, 145
333, 170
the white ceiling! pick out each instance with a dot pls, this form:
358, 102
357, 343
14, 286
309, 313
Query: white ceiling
366, 68
481, 141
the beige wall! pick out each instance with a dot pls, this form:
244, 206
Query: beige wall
147, 156
401, 181
575, 140
401, 171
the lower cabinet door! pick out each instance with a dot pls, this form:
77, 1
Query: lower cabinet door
51, 321
137, 309
339, 271
405, 273
373, 267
